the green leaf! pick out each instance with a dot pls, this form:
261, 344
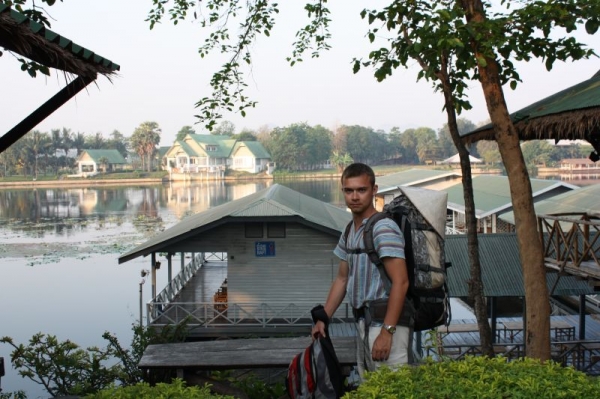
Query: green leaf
513, 84
591, 26
481, 61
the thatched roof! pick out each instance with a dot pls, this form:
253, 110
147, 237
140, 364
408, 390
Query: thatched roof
570, 114
33, 40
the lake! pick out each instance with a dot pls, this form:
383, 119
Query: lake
59, 250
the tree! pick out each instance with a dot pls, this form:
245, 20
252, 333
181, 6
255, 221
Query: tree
453, 42
79, 142
225, 128
445, 138
184, 131
118, 142
67, 144
245, 135
144, 140
488, 151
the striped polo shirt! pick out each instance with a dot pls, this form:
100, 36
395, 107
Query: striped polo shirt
364, 281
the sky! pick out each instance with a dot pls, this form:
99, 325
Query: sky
162, 77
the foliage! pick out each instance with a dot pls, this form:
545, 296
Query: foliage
144, 140
35, 13
479, 377
142, 337
184, 131
63, 368
251, 385
13, 395
177, 389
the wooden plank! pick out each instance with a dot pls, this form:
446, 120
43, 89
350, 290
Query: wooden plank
238, 353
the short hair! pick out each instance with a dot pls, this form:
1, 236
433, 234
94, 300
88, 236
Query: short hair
358, 169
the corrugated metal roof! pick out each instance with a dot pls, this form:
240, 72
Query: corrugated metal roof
492, 193
500, 267
113, 156
187, 149
586, 199
410, 177
224, 144
255, 147
275, 201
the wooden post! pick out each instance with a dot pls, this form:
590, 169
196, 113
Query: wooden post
153, 260
581, 317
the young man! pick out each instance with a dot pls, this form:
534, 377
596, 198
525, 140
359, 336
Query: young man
381, 339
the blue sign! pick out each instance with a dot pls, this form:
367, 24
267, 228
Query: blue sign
264, 248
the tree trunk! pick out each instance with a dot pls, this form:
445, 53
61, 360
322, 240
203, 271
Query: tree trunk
537, 334
475, 282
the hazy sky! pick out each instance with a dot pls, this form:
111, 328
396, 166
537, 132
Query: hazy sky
162, 76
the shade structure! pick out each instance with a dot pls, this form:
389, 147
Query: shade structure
456, 159
570, 114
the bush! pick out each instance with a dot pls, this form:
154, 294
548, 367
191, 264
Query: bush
479, 377
143, 390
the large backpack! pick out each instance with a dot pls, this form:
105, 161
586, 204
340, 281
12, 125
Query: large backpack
315, 373
421, 215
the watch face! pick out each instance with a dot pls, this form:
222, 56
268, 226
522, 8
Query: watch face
391, 329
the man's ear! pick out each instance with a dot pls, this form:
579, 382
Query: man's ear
375, 189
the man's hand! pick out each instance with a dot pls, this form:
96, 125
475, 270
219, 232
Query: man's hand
382, 346
318, 330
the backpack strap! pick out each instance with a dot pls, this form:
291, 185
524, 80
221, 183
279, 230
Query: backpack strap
369, 245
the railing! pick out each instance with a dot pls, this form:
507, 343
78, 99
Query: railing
224, 314
572, 241
215, 256
581, 355
175, 286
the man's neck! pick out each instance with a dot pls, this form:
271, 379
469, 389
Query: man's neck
358, 218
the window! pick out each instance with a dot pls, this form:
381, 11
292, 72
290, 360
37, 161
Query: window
211, 148
254, 230
276, 230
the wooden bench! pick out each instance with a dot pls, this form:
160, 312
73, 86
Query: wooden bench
237, 354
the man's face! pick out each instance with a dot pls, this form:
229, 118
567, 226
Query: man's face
358, 193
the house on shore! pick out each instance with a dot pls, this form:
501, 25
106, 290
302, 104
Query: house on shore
92, 162
207, 156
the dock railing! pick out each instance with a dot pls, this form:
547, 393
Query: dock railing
173, 287
571, 243
581, 355
221, 314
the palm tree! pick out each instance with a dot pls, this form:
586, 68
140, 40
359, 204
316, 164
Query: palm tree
78, 142
144, 140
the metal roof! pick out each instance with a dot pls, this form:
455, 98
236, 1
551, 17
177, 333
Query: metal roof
276, 201
500, 267
255, 147
583, 200
492, 193
224, 144
411, 177
113, 156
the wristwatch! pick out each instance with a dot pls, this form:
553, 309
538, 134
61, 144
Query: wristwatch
389, 328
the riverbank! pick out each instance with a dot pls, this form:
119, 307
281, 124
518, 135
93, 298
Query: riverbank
118, 179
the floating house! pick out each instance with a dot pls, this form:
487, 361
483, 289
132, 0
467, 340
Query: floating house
275, 262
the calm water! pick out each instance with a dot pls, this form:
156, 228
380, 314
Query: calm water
59, 250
